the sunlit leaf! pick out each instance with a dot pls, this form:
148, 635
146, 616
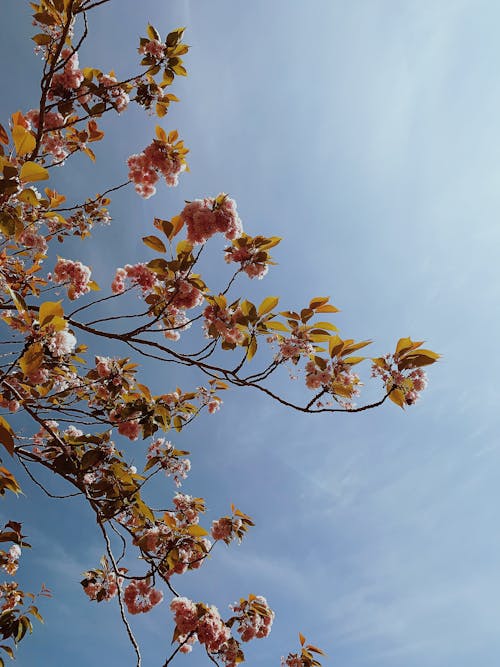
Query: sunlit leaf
268, 304
48, 311
24, 141
155, 243
7, 436
31, 171
196, 531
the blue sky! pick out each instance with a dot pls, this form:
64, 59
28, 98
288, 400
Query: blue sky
366, 134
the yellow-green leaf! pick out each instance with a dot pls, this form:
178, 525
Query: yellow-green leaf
353, 360
155, 243
268, 304
6, 436
31, 171
327, 308
28, 196
153, 33
252, 348
31, 359
24, 141
183, 247
325, 325
398, 397
196, 531
48, 311
161, 134
277, 326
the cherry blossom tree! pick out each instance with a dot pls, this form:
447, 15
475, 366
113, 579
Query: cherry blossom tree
79, 400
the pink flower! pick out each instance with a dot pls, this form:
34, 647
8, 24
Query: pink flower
222, 528
74, 273
154, 48
115, 94
138, 274
185, 615
130, 429
103, 366
101, 586
206, 217
140, 597
159, 158
31, 239
61, 343
211, 630
69, 78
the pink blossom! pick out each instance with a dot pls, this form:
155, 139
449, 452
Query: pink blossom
255, 618
31, 239
211, 630
154, 48
140, 597
9, 596
249, 261
185, 615
138, 274
117, 95
222, 322
222, 528
130, 429
69, 78
74, 273
411, 383
55, 144
186, 505
103, 366
186, 295
61, 343
40, 376
159, 158
11, 559
101, 586
206, 217
51, 119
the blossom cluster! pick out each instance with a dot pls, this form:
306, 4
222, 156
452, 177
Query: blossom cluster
223, 322
75, 274
140, 596
411, 383
138, 274
209, 399
9, 560
113, 92
223, 528
250, 260
159, 158
199, 622
294, 347
209, 216
68, 78
337, 378
163, 452
254, 617
10, 596
102, 585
